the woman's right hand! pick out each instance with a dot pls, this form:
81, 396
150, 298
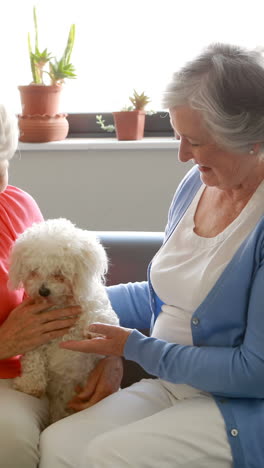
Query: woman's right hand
29, 325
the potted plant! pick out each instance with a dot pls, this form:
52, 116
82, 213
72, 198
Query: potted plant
129, 123
40, 120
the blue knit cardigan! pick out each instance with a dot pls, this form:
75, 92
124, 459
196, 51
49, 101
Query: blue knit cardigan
227, 357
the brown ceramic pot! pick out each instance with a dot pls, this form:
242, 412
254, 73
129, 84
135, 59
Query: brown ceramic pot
129, 125
43, 128
40, 99
40, 120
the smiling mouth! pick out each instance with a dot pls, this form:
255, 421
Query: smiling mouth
204, 168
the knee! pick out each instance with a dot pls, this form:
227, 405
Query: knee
57, 446
51, 439
18, 448
21, 420
48, 435
109, 449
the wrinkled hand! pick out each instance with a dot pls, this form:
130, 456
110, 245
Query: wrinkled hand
111, 342
104, 380
32, 324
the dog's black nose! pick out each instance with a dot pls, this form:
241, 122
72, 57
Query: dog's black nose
43, 291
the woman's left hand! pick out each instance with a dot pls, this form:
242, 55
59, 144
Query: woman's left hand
111, 341
104, 380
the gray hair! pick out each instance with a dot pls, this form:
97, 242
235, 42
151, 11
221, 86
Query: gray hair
226, 84
8, 134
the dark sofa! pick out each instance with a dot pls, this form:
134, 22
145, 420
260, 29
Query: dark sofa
129, 254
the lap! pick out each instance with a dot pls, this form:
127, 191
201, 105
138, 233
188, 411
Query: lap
144, 422
22, 418
190, 434
135, 402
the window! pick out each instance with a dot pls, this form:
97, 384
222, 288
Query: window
120, 44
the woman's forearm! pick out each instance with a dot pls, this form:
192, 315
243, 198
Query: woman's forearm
227, 371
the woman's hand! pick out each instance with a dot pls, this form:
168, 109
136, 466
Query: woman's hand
111, 342
104, 380
29, 325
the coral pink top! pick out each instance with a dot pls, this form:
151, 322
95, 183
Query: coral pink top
18, 211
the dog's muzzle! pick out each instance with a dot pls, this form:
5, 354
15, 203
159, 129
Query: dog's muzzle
43, 291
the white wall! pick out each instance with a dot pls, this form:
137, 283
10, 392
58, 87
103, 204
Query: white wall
101, 189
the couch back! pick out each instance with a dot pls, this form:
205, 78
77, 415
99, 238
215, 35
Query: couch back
129, 254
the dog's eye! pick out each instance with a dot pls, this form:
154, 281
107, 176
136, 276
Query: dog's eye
33, 274
58, 277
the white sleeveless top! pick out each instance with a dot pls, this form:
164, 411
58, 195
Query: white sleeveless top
186, 268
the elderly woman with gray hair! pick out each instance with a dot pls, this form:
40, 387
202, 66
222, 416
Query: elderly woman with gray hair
204, 299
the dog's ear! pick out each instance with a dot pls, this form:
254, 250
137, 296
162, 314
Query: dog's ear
93, 255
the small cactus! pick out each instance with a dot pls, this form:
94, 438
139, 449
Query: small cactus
139, 101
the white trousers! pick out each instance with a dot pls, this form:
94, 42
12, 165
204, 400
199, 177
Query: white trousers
142, 426
22, 418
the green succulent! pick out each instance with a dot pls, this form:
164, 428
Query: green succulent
101, 122
127, 109
139, 101
58, 69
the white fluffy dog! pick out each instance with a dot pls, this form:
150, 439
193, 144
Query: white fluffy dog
67, 265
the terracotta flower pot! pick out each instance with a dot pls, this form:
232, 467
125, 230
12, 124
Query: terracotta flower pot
40, 99
43, 128
40, 120
129, 125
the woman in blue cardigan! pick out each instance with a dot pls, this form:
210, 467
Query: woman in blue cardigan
204, 299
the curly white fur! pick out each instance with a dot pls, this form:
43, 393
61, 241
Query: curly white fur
70, 263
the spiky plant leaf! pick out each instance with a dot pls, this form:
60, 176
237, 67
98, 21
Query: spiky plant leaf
70, 43
139, 101
58, 70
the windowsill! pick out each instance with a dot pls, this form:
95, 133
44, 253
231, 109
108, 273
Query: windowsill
82, 144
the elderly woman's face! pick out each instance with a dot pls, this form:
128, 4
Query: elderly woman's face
3, 174
218, 167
